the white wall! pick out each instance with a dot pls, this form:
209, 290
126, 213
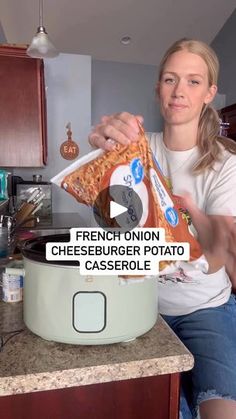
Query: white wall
126, 87
68, 91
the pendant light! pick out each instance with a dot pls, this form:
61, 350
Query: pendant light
41, 46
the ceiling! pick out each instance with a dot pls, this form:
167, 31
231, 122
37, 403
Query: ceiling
94, 27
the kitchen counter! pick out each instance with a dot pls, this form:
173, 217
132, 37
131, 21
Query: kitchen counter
30, 364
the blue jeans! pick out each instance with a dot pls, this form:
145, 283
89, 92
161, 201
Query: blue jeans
210, 335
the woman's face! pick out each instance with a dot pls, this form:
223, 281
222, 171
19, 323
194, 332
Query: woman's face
184, 88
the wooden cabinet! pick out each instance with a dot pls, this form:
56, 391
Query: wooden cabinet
153, 398
228, 114
22, 109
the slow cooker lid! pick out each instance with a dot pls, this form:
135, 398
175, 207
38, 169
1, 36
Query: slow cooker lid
35, 249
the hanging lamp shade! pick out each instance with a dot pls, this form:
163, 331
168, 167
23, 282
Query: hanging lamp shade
41, 46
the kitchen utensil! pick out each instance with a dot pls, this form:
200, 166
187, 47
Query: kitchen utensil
38, 198
4, 241
33, 193
29, 206
36, 193
24, 212
38, 207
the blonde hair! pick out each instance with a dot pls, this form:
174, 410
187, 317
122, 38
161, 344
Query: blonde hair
208, 140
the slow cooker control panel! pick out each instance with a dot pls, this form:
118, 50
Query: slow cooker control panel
89, 311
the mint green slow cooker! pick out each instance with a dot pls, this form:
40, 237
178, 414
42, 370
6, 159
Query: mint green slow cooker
62, 305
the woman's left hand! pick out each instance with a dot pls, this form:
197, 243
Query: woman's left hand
215, 234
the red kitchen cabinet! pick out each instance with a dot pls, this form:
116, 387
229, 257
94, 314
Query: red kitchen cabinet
23, 109
152, 397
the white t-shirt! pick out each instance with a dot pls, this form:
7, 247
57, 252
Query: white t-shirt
184, 287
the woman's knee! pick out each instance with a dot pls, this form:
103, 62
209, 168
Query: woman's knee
218, 409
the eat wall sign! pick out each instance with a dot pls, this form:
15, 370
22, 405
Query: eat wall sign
69, 149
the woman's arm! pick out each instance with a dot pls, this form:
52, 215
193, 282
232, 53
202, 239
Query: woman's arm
216, 234
231, 258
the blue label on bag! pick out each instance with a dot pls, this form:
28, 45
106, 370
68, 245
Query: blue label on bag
137, 170
171, 216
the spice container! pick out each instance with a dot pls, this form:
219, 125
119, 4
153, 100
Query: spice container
12, 282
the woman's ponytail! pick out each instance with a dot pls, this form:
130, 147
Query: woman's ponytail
209, 139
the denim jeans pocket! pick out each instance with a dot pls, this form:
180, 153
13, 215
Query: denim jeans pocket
230, 306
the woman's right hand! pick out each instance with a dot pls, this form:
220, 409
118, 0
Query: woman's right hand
122, 128
216, 235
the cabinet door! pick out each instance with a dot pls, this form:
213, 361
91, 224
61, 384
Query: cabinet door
152, 398
22, 109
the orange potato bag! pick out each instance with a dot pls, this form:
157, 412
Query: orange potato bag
136, 165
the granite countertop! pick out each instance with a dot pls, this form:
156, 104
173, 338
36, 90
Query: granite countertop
28, 363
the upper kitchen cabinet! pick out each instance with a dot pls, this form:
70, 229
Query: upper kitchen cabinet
228, 114
22, 109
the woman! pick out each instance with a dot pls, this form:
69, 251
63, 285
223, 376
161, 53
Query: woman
196, 301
